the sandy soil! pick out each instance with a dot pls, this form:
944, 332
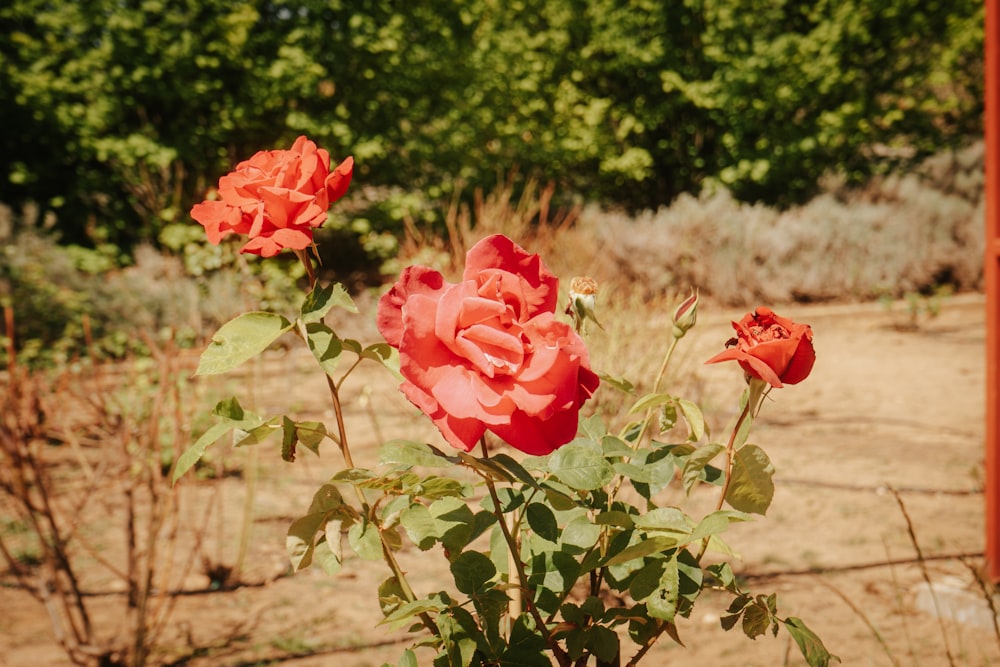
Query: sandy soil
885, 409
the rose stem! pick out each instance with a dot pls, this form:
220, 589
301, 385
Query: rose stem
518, 572
756, 391
345, 451
656, 386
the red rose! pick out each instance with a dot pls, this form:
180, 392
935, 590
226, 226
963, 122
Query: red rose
487, 353
771, 348
276, 198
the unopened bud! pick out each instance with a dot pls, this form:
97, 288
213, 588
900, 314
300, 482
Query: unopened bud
685, 315
582, 301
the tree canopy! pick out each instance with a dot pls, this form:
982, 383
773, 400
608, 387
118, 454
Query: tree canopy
119, 114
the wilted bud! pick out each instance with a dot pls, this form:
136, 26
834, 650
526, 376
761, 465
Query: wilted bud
582, 300
686, 314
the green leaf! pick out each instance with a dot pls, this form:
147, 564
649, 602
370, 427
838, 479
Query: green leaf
412, 453
757, 619
715, 523
324, 345
526, 648
647, 580
669, 519
581, 465
646, 547
752, 487
321, 300
542, 521
603, 643
365, 541
194, 453
229, 408
650, 401
514, 468
310, 434
421, 527
472, 571
408, 659
694, 467
613, 446
233, 417
301, 540
662, 603
258, 435
328, 553
616, 518
409, 610
241, 339
694, 418
811, 646
581, 533
621, 384
593, 427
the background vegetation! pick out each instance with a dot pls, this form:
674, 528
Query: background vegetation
738, 145
119, 115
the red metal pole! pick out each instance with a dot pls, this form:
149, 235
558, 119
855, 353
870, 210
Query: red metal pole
991, 124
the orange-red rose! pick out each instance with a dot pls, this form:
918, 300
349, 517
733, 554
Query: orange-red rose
276, 198
487, 353
771, 348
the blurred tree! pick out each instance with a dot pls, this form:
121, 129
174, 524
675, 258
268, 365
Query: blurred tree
119, 114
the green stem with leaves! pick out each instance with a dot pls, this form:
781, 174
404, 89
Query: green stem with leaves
519, 571
755, 393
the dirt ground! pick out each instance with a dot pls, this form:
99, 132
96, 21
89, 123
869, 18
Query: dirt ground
887, 407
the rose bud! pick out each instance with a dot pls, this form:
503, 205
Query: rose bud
686, 314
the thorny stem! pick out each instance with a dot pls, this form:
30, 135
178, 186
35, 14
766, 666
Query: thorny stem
515, 558
754, 395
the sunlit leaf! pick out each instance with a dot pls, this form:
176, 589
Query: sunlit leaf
662, 603
752, 487
321, 299
811, 646
241, 339
694, 417
328, 553
412, 453
310, 434
581, 465
365, 541
324, 345
664, 519
652, 545
621, 384
650, 401
694, 467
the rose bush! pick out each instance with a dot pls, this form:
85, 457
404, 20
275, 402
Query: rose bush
563, 557
487, 353
276, 198
770, 348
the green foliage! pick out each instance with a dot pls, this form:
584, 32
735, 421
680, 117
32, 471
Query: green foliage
120, 116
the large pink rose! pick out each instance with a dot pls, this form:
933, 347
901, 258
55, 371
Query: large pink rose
487, 353
276, 198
